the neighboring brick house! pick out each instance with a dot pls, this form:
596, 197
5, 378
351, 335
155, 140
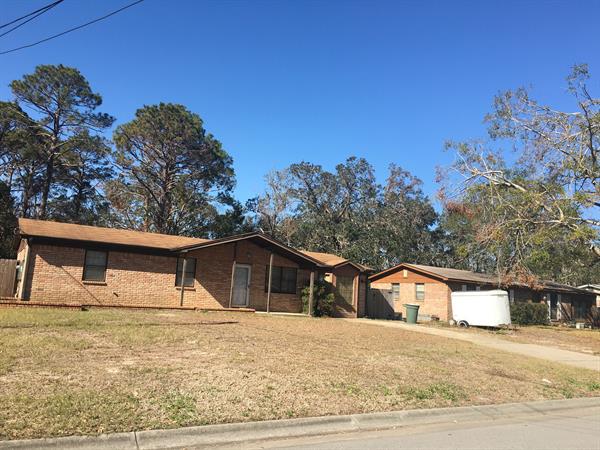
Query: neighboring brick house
430, 287
595, 288
68, 264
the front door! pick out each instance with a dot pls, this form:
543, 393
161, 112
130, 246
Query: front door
241, 285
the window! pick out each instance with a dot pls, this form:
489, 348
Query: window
283, 280
190, 272
345, 289
395, 291
94, 268
420, 291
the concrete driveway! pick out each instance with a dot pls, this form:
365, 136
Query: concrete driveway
536, 351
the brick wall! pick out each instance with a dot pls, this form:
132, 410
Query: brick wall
134, 279
437, 293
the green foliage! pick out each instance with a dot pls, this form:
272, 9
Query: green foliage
8, 223
516, 202
346, 212
323, 299
522, 313
173, 173
55, 155
180, 407
167, 173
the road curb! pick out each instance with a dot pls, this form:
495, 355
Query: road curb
294, 428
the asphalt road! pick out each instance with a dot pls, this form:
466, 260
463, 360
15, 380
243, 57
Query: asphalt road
570, 430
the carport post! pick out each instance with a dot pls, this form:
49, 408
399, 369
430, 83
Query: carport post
233, 273
269, 285
311, 291
232, 280
24, 269
183, 269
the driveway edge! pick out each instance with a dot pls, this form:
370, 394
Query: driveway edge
293, 428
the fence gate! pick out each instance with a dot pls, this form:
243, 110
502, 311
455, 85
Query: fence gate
8, 277
380, 304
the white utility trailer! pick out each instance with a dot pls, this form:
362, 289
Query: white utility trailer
481, 308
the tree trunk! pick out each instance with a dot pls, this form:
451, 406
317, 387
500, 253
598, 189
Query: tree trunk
78, 200
28, 193
47, 185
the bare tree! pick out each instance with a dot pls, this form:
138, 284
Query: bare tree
546, 188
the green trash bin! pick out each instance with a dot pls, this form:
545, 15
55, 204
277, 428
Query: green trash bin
412, 312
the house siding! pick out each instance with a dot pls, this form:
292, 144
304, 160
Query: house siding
438, 300
437, 293
54, 276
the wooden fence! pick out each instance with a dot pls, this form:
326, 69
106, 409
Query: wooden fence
8, 277
380, 304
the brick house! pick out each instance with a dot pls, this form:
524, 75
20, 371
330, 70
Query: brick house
430, 287
68, 264
595, 288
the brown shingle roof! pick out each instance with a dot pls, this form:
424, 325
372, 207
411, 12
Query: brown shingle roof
333, 260
86, 233
448, 274
456, 274
325, 258
102, 235
257, 237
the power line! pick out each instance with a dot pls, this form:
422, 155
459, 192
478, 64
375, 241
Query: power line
51, 5
48, 8
72, 29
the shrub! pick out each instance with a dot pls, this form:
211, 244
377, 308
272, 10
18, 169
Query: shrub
323, 299
529, 313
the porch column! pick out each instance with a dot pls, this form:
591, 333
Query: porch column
24, 270
311, 293
182, 284
269, 284
233, 272
232, 279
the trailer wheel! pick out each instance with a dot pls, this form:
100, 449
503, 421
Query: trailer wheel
463, 324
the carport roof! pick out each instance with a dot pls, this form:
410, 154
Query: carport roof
335, 260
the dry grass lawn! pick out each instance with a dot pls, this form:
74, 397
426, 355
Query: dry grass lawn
65, 372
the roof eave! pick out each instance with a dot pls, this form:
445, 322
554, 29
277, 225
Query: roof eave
358, 266
254, 234
401, 266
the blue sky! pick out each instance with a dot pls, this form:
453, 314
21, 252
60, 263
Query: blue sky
282, 81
